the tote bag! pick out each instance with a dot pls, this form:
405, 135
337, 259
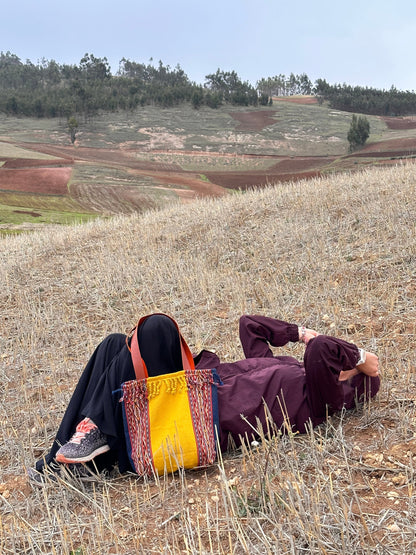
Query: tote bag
170, 421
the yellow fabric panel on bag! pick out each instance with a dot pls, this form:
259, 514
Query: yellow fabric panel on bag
172, 440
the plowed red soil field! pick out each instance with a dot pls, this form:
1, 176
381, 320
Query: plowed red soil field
49, 181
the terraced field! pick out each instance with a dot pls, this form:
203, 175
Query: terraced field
122, 165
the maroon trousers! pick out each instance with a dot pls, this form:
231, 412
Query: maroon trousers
292, 393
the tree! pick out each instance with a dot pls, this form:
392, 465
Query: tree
213, 100
72, 127
264, 99
94, 69
197, 98
359, 131
305, 84
293, 84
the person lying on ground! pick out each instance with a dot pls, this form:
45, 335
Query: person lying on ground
335, 374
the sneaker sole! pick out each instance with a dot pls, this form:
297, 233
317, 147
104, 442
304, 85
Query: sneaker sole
62, 459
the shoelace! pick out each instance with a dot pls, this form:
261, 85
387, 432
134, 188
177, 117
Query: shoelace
83, 428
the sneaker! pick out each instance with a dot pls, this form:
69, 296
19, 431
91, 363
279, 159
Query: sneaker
84, 445
47, 476
53, 473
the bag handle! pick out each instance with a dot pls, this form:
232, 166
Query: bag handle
138, 362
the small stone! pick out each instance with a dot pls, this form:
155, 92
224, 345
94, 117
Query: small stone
399, 480
392, 494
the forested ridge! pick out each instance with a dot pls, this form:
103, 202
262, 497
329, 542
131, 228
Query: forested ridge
49, 89
367, 100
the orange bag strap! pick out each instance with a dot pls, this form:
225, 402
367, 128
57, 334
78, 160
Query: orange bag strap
138, 362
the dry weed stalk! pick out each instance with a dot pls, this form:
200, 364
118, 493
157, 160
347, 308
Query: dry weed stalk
337, 254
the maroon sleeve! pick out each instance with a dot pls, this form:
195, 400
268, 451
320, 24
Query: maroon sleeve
206, 359
258, 332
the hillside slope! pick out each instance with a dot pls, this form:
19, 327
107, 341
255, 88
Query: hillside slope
145, 159
337, 254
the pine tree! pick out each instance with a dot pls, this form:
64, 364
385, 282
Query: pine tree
72, 128
359, 132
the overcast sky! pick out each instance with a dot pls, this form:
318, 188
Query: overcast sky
360, 42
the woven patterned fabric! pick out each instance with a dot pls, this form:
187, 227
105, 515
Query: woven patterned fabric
170, 421
137, 425
200, 400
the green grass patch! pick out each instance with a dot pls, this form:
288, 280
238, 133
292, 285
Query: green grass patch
17, 215
19, 208
8, 150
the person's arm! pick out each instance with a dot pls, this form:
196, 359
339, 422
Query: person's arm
306, 334
257, 333
370, 364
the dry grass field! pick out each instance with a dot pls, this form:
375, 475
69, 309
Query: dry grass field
337, 254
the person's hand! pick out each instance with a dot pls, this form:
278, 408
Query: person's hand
306, 334
370, 366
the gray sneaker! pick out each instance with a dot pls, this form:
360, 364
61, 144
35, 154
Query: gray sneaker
84, 445
47, 476
54, 472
